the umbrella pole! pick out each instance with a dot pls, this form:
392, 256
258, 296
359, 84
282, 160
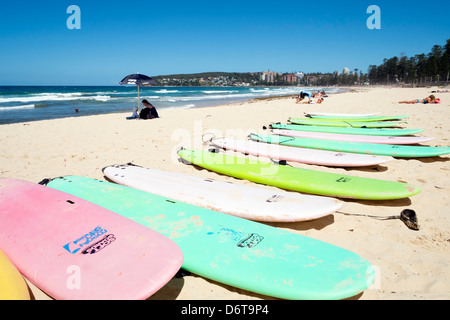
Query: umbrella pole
138, 98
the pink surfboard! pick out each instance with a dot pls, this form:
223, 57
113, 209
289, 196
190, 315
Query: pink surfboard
302, 155
353, 138
73, 249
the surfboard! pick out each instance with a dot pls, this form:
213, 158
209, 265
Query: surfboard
12, 285
235, 251
396, 151
349, 124
345, 115
399, 140
345, 130
75, 250
248, 202
298, 179
302, 155
357, 118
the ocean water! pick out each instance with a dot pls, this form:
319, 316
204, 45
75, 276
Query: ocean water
33, 103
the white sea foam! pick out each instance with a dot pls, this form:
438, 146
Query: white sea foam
188, 106
98, 98
209, 97
177, 107
55, 97
166, 91
259, 90
27, 106
219, 91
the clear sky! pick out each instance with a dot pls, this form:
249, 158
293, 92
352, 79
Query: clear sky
118, 38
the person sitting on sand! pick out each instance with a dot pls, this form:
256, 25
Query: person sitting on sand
303, 95
135, 113
149, 112
318, 101
430, 99
319, 95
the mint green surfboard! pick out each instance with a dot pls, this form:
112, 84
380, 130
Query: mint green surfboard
234, 251
398, 151
298, 179
357, 119
344, 130
345, 124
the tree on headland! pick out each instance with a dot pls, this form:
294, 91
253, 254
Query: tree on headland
433, 67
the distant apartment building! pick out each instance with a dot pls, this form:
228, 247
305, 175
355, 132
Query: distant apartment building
290, 78
268, 76
311, 79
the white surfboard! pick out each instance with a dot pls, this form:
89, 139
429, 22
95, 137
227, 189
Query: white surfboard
302, 155
249, 202
353, 138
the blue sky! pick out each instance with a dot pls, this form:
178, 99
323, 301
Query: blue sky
167, 37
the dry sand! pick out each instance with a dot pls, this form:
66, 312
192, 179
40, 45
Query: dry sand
409, 264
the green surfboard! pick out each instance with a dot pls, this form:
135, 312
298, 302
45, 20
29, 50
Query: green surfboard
297, 179
345, 124
231, 250
344, 130
357, 119
398, 151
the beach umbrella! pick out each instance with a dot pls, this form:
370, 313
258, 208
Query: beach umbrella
138, 80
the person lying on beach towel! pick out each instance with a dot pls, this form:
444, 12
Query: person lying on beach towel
429, 99
149, 112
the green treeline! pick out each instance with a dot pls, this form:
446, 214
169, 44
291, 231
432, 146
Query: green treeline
422, 68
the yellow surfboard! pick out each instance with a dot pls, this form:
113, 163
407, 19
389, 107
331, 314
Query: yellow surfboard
12, 284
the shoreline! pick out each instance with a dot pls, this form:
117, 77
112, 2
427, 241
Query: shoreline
37, 110
409, 264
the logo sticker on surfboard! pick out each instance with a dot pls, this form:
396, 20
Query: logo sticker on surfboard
244, 240
343, 179
86, 240
251, 241
100, 245
275, 198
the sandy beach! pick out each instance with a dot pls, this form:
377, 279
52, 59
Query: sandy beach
409, 264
